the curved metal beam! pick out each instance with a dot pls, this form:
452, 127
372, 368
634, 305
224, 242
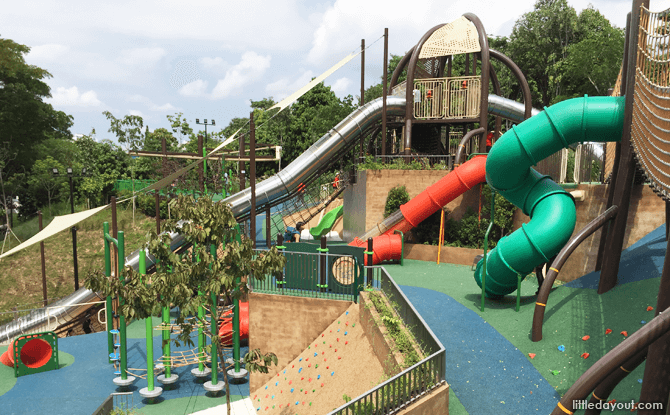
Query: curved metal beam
561, 258
523, 82
401, 65
461, 146
409, 93
485, 64
638, 341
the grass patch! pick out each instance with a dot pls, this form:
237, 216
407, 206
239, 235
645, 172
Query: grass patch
395, 328
21, 275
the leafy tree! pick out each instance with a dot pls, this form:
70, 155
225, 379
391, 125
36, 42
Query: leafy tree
42, 179
539, 40
25, 119
205, 224
396, 197
180, 127
106, 161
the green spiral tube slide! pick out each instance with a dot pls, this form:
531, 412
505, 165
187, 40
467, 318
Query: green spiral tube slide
551, 209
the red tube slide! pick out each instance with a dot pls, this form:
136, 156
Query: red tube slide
463, 178
226, 327
35, 353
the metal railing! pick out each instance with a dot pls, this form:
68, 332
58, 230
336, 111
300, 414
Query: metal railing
430, 161
304, 276
412, 383
450, 98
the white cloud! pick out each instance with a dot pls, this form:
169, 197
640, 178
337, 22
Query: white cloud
70, 97
214, 64
283, 87
194, 89
150, 104
141, 56
46, 52
341, 86
251, 67
135, 112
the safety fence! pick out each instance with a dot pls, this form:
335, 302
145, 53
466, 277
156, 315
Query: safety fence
314, 275
406, 162
412, 383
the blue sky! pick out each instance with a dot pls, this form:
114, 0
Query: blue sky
207, 59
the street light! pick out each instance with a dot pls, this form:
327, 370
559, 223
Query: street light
70, 175
197, 121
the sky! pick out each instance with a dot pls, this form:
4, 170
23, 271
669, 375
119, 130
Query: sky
208, 59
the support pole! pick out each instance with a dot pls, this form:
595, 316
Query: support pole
201, 172
213, 328
626, 168
241, 164
252, 178
362, 72
158, 214
369, 253
149, 328
280, 246
236, 327
385, 91
268, 227
44, 272
323, 260
108, 300
122, 320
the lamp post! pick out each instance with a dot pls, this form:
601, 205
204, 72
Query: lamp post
204, 147
70, 175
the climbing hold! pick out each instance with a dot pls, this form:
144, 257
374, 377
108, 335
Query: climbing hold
292, 366
327, 367
273, 396
299, 370
338, 330
338, 339
347, 313
346, 342
255, 396
297, 403
300, 360
532, 355
561, 348
611, 402
555, 372
305, 392
316, 354
335, 350
277, 374
318, 377
625, 333
306, 359
322, 353
639, 381
331, 346
643, 322
284, 372
316, 366
345, 333
291, 390
281, 391
585, 355
346, 324
316, 345
266, 396
353, 325
322, 385
290, 381
338, 322
322, 334
608, 331
302, 378
585, 338
309, 380
325, 358
332, 373
324, 342
650, 308
276, 383
309, 365
266, 387
338, 357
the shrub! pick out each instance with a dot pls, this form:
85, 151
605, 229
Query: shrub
396, 197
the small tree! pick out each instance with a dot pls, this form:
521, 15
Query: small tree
204, 224
397, 196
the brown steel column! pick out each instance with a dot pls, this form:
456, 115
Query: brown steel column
164, 158
484, 44
384, 91
656, 380
44, 272
617, 154
241, 164
667, 220
626, 168
362, 72
252, 178
158, 213
201, 168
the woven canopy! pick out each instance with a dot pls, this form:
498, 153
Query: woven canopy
459, 36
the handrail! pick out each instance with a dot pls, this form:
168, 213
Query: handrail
561, 258
461, 146
638, 341
408, 385
486, 244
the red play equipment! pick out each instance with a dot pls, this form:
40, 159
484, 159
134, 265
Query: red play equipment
226, 327
388, 246
32, 353
35, 353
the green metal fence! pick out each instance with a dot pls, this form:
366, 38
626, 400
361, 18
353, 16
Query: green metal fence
315, 275
412, 383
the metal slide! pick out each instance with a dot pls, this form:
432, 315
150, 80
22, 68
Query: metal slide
274, 189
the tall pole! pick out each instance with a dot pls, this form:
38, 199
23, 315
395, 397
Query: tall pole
384, 90
200, 167
241, 163
362, 152
44, 273
252, 177
74, 237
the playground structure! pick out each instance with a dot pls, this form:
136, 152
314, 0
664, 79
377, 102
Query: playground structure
633, 124
32, 353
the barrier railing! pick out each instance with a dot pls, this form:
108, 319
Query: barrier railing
428, 161
303, 276
412, 383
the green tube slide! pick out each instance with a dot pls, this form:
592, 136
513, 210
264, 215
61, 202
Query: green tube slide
551, 209
326, 223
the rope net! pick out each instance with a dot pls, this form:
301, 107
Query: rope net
650, 131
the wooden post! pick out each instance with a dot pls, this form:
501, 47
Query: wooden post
158, 214
201, 168
626, 168
268, 227
241, 164
44, 272
362, 72
252, 177
385, 92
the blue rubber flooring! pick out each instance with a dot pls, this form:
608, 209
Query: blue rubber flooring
487, 373
640, 261
81, 387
